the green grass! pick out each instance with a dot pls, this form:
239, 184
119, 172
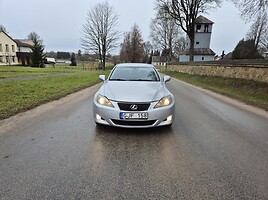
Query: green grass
21, 95
250, 92
18, 71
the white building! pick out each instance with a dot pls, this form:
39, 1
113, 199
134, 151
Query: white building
8, 49
202, 51
14, 51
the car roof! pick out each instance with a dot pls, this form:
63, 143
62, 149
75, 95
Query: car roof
134, 65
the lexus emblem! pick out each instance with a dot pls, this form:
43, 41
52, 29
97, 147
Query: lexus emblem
133, 107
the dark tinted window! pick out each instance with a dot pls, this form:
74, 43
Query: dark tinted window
134, 74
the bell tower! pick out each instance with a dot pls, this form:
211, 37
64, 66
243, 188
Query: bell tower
202, 51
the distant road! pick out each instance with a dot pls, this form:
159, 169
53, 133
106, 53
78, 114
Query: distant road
214, 150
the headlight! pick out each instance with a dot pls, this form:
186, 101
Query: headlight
165, 101
102, 100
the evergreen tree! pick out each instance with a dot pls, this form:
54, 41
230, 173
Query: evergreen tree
246, 50
73, 61
37, 56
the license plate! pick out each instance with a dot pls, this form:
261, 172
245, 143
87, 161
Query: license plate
140, 115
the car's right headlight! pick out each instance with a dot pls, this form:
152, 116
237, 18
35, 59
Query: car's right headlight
102, 100
165, 101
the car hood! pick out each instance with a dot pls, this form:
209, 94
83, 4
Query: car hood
133, 91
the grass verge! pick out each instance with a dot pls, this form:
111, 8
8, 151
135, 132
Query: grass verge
250, 92
18, 71
22, 95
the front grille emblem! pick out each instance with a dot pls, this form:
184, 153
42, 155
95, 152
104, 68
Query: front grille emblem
133, 107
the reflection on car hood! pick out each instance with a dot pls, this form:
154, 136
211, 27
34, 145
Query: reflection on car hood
134, 91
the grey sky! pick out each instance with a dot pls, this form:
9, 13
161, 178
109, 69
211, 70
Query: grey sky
59, 22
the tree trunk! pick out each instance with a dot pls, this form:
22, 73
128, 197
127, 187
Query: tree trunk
103, 59
191, 50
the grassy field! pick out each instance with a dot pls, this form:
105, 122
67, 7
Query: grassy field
20, 95
250, 92
18, 71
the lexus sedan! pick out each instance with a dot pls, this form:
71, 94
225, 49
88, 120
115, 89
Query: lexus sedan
134, 96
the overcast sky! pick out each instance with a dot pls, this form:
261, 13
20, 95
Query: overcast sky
59, 22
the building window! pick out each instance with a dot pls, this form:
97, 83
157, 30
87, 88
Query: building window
198, 28
13, 48
197, 43
1, 49
13, 59
1, 59
203, 58
206, 28
7, 49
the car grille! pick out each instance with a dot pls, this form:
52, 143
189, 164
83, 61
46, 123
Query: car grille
133, 123
140, 106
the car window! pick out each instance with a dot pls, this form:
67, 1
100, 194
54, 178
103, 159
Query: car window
134, 74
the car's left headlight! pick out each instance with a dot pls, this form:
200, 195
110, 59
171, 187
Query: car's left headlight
165, 101
102, 100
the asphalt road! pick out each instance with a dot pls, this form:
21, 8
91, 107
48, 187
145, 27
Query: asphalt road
214, 150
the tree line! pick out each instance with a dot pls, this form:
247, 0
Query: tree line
173, 19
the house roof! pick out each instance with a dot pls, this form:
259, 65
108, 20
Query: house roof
7, 35
203, 20
200, 51
158, 59
24, 43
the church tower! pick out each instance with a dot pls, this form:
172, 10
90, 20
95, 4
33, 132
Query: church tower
202, 51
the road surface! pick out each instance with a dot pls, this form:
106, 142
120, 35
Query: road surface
214, 150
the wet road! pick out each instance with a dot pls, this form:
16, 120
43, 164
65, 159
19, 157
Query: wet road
214, 150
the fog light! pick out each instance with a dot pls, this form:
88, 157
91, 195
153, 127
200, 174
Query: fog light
169, 118
98, 117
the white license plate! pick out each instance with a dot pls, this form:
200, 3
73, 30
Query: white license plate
140, 115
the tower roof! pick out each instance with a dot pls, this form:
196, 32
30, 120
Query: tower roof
199, 51
202, 20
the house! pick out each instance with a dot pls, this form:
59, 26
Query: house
8, 50
14, 51
202, 51
158, 60
24, 51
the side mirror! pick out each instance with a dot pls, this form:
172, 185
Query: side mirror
102, 77
166, 78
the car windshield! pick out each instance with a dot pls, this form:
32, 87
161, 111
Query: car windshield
134, 74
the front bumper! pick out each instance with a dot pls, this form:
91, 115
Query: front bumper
105, 115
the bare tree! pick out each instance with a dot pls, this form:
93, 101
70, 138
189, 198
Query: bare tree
185, 13
99, 34
3, 28
258, 31
133, 47
126, 48
264, 43
148, 47
165, 34
179, 46
250, 9
34, 36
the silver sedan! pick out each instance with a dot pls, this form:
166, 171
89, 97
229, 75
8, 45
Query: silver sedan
134, 96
